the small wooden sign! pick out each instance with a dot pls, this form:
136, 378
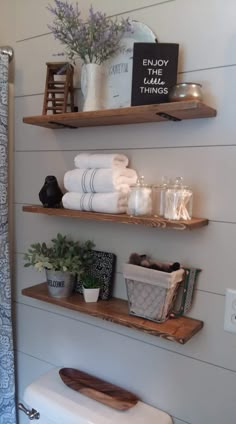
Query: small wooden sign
154, 72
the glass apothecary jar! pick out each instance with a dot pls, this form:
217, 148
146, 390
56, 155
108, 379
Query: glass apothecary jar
158, 197
140, 199
178, 202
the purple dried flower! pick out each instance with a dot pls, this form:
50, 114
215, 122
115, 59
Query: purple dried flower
95, 40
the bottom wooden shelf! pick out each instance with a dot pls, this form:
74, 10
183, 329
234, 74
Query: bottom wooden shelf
179, 330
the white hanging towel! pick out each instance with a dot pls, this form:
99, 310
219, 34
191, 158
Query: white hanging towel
101, 160
97, 180
96, 202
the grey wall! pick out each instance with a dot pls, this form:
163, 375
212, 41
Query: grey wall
195, 383
7, 20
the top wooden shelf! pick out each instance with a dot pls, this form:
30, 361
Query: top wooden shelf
174, 111
147, 221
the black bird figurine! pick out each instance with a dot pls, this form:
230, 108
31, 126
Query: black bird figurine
50, 194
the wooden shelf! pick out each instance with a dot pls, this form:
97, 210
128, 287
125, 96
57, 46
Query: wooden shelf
179, 330
174, 111
148, 221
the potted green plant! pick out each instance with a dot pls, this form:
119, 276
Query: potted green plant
91, 288
63, 261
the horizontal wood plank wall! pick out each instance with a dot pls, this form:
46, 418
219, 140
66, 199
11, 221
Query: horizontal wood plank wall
176, 21
26, 30
195, 383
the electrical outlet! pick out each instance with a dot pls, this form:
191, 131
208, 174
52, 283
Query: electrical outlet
230, 311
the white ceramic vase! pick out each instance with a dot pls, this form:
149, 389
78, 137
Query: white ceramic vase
91, 295
93, 87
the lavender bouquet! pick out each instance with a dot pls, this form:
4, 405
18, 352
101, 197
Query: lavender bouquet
94, 41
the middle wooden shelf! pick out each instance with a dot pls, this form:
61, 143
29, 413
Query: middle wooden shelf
148, 221
179, 330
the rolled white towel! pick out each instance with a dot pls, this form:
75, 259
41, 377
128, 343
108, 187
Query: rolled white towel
96, 202
98, 180
101, 160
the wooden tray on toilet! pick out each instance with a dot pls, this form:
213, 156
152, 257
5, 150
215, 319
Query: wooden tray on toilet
98, 389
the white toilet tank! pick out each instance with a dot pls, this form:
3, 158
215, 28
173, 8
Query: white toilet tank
58, 404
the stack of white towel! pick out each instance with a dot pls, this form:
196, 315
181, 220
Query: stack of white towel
99, 183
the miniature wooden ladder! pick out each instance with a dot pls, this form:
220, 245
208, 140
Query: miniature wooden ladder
57, 91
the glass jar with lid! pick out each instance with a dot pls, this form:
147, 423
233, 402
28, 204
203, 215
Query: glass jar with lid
159, 193
140, 199
178, 201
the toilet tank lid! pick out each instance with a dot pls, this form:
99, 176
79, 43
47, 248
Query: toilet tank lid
60, 404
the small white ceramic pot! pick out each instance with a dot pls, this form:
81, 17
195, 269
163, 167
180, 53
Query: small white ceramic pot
91, 295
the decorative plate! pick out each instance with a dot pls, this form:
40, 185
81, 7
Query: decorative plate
119, 68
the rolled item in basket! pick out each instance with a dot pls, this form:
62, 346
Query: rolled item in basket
101, 160
97, 180
147, 262
96, 202
151, 276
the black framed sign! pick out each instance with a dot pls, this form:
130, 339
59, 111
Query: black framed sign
154, 72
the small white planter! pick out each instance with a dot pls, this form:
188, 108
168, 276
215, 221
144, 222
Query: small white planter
91, 295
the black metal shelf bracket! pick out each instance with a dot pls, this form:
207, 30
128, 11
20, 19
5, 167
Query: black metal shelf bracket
168, 117
61, 125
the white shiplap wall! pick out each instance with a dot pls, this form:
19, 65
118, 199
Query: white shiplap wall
195, 383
